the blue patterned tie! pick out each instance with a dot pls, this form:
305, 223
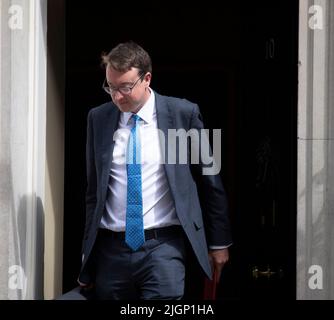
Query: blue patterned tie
134, 232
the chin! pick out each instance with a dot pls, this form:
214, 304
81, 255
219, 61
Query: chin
126, 109
127, 106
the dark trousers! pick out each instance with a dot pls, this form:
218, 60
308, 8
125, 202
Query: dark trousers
155, 271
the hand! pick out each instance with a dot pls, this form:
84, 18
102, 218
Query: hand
218, 258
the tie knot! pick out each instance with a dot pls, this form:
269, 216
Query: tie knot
136, 118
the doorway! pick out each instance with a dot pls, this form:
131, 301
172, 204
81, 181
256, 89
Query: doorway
239, 65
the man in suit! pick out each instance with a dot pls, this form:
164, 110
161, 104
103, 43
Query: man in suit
141, 211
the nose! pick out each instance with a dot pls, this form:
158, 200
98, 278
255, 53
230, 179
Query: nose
117, 95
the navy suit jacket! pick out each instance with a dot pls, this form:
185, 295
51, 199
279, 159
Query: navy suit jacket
204, 223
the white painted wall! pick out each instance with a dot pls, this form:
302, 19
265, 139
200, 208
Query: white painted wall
22, 147
315, 197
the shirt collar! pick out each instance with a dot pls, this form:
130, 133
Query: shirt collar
145, 113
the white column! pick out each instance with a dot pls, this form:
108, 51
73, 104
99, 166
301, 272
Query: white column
22, 152
315, 269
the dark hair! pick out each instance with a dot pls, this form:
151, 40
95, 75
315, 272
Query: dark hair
128, 55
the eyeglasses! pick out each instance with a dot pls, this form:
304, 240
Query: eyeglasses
126, 90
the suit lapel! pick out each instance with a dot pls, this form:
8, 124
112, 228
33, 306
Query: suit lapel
165, 121
111, 125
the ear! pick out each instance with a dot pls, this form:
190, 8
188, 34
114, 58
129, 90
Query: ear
147, 79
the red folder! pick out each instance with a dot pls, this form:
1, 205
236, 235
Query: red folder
210, 286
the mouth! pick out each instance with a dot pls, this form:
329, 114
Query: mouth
123, 103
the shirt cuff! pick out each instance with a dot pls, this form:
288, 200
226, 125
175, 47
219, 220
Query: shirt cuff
219, 247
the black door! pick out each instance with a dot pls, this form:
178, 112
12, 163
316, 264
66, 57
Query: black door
239, 64
265, 218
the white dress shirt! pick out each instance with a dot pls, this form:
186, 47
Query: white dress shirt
158, 204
